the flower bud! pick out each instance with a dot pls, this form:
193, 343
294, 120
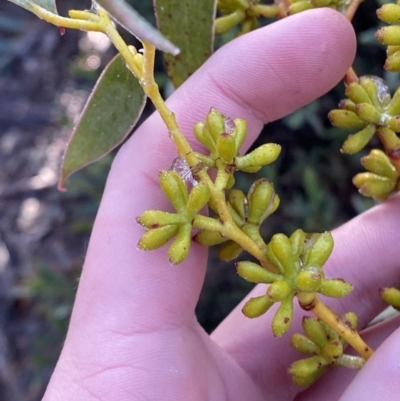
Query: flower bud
208, 238
226, 147
393, 108
392, 63
345, 119
174, 188
350, 319
279, 291
347, 104
279, 251
283, 318
299, 6
391, 296
389, 35
263, 155
257, 306
255, 273
225, 23
335, 288
260, 200
333, 350
240, 132
297, 239
203, 135
198, 198
309, 280
354, 143
303, 344
229, 250
179, 249
368, 113
315, 331
320, 250
377, 162
307, 371
389, 13
157, 218
356, 93
370, 184
320, 3
157, 237
237, 200
394, 123
215, 123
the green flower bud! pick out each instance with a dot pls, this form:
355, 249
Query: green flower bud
174, 188
393, 108
203, 135
279, 251
368, 113
263, 155
157, 237
297, 239
240, 131
377, 162
247, 26
392, 49
394, 123
347, 104
229, 250
231, 182
335, 288
320, 3
260, 200
278, 291
257, 306
392, 63
179, 249
225, 23
350, 319
389, 35
307, 371
283, 318
388, 138
264, 11
354, 143
198, 198
345, 119
215, 123
391, 296
208, 238
320, 249
299, 6
309, 280
333, 350
370, 184
157, 218
237, 200
303, 344
389, 13
315, 331
356, 93
255, 273
226, 147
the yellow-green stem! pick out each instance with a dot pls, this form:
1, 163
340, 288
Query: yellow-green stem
350, 335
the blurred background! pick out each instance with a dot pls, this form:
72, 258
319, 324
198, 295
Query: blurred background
45, 79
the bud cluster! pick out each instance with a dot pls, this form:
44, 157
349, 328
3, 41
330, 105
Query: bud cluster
390, 35
297, 6
248, 213
326, 347
243, 12
381, 180
299, 260
162, 226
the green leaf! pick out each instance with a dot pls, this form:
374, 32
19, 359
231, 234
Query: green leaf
129, 18
49, 5
111, 112
190, 25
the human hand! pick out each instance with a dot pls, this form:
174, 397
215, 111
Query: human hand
133, 333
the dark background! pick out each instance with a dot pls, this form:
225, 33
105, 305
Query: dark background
44, 81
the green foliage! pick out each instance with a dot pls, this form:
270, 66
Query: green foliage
179, 28
111, 112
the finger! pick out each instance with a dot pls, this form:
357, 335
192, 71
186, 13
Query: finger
253, 77
365, 254
334, 382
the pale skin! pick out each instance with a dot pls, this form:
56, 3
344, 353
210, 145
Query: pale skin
133, 333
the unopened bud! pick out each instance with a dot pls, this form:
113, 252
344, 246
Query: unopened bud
179, 249
320, 250
306, 371
368, 113
174, 188
255, 273
389, 35
354, 143
335, 288
226, 147
229, 250
303, 344
309, 280
389, 13
263, 155
377, 162
225, 23
203, 135
257, 306
157, 237
345, 119
156, 218
283, 318
198, 198
356, 93
260, 200
391, 296
279, 251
